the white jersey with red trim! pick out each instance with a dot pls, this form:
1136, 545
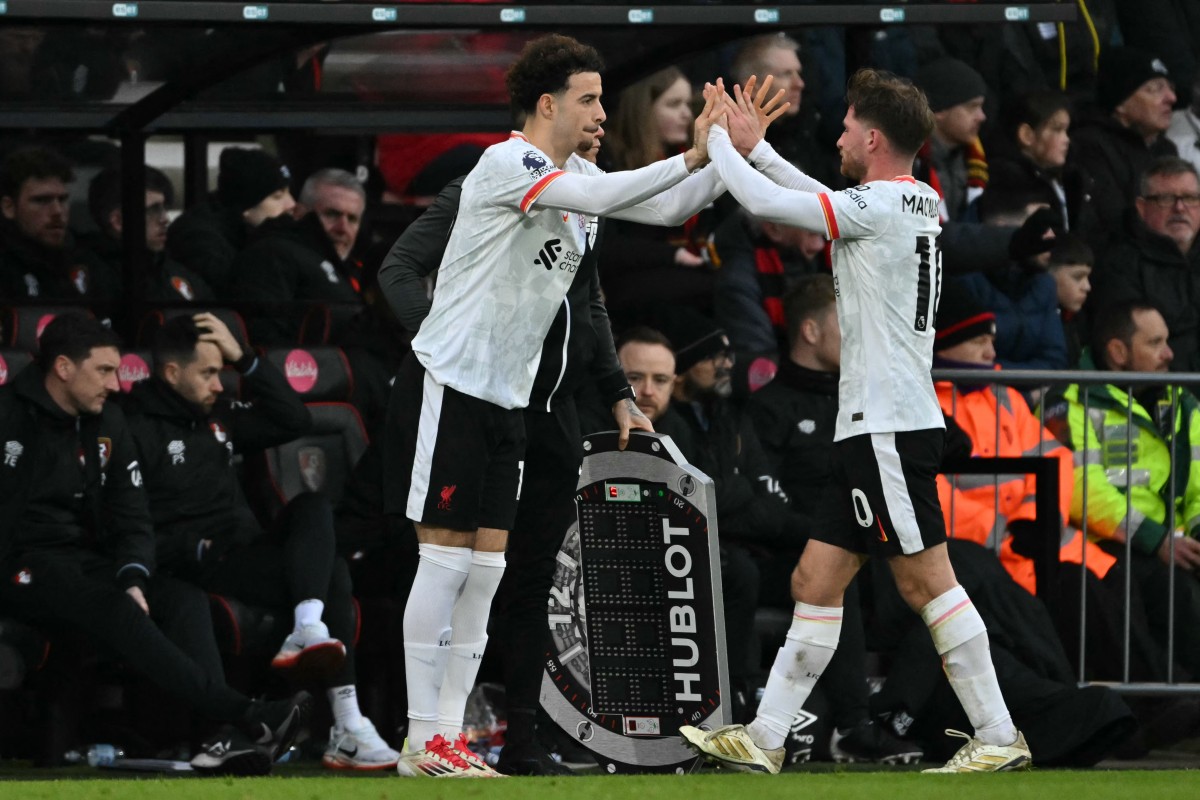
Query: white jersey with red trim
505, 272
887, 271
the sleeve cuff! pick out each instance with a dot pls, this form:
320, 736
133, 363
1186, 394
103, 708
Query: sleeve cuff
761, 151
611, 385
1149, 536
132, 575
246, 364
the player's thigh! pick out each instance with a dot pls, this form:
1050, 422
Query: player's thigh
923, 576
823, 573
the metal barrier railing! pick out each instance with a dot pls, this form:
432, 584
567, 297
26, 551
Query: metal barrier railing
1039, 381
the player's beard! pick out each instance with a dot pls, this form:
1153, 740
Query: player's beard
853, 169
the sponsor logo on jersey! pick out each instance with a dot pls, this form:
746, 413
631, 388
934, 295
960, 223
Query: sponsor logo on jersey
548, 255
806, 426
177, 450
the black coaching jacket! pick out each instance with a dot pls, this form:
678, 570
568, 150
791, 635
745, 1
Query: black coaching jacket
191, 480
70, 482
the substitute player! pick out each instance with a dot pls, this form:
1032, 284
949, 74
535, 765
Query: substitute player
889, 431
455, 436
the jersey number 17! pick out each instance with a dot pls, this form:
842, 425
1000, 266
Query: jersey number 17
929, 281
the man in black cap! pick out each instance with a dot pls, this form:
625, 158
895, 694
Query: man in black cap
953, 157
252, 187
1134, 97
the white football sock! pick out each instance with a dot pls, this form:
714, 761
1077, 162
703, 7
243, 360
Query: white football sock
810, 644
431, 601
343, 702
468, 636
961, 640
308, 612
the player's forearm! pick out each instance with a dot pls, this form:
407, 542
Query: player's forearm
676, 205
603, 195
764, 159
759, 195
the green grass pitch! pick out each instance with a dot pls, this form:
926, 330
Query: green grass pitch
851, 785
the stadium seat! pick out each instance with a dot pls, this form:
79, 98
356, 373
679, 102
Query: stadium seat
320, 461
12, 362
321, 320
23, 325
318, 374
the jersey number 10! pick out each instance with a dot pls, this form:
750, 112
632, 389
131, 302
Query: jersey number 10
929, 281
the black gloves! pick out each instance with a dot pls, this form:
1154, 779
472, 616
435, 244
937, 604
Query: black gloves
1029, 240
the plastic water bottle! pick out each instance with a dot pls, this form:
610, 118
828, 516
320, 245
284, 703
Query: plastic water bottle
103, 755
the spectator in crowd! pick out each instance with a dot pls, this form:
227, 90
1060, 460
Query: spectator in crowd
252, 187
187, 434
1134, 96
287, 265
77, 546
760, 261
1071, 262
1023, 297
1184, 131
952, 161
1031, 159
1132, 336
166, 280
997, 511
1158, 260
795, 136
38, 259
643, 265
794, 416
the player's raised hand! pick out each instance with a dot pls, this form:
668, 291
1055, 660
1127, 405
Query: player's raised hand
767, 107
752, 112
213, 330
715, 108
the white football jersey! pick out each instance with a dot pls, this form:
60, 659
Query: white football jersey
887, 272
506, 270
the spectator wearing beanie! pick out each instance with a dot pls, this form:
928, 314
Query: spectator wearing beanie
1134, 97
252, 186
953, 161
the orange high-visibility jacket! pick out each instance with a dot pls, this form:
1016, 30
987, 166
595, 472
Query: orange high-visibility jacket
979, 507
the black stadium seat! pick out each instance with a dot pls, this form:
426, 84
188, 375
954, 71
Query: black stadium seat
318, 374
23, 325
12, 361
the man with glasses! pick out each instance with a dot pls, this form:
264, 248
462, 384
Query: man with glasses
1158, 260
1135, 92
167, 281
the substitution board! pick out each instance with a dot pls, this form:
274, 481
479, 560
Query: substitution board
637, 630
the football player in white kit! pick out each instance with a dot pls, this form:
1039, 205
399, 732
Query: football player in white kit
455, 438
889, 432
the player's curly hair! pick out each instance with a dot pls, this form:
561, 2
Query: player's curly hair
892, 104
544, 67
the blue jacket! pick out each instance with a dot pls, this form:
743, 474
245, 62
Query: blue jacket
1029, 333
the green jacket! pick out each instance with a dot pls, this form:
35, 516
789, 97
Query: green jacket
1131, 473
